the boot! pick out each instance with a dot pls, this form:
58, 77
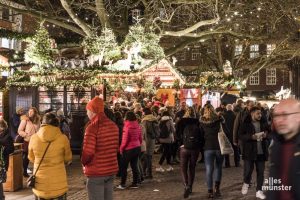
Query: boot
186, 191
210, 194
217, 189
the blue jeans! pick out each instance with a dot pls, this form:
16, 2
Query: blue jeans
210, 156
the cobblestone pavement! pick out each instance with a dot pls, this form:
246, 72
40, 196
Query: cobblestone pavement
164, 186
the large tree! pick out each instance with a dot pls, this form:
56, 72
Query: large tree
216, 25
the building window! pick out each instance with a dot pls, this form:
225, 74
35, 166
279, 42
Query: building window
5, 14
254, 51
271, 76
195, 54
238, 50
5, 43
10, 44
270, 48
136, 15
254, 79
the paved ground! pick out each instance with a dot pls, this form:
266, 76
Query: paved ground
164, 186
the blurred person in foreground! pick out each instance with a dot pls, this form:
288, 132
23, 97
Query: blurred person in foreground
99, 152
7, 147
51, 177
285, 151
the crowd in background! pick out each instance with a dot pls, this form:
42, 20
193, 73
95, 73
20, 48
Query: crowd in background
145, 125
122, 134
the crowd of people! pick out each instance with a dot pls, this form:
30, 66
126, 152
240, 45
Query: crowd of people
121, 134
186, 132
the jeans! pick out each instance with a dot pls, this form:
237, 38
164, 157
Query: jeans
248, 169
130, 156
119, 157
25, 162
174, 149
147, 165
140, 166
167, 151
100, 188
188, 161
210, 156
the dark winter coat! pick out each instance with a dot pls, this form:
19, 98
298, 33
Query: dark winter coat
6, 141
275, 167
120, 124
249, 145
211, 130
187, 121
229, 117
238, 122
16, 120
149, 123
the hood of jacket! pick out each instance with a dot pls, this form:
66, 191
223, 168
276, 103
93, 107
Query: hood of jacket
211, 122
131, 124
48, 133
150, 117
165, 118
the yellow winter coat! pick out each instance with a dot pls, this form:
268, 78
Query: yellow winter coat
51, 178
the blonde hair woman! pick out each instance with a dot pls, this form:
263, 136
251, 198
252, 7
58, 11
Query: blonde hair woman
28, 127
210, 123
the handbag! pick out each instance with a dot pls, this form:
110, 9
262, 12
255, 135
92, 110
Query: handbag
3, 174
19, 139
225, 145
31, 179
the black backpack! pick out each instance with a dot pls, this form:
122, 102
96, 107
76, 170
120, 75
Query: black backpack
153, 130
192, 137
164, 130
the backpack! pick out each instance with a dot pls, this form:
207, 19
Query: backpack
192, 137
164, 130
153, 131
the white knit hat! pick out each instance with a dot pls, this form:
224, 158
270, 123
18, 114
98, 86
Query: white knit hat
19, 108
60, 113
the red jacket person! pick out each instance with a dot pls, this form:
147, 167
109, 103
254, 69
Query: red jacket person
99, 152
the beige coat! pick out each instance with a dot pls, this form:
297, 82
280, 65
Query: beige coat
27, 129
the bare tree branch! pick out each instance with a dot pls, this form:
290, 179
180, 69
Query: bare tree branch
76, 19
102, 14
23, 10
187, 31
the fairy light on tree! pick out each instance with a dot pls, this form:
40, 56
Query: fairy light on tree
39, 49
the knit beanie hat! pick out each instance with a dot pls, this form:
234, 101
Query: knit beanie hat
19, 108
96, 105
